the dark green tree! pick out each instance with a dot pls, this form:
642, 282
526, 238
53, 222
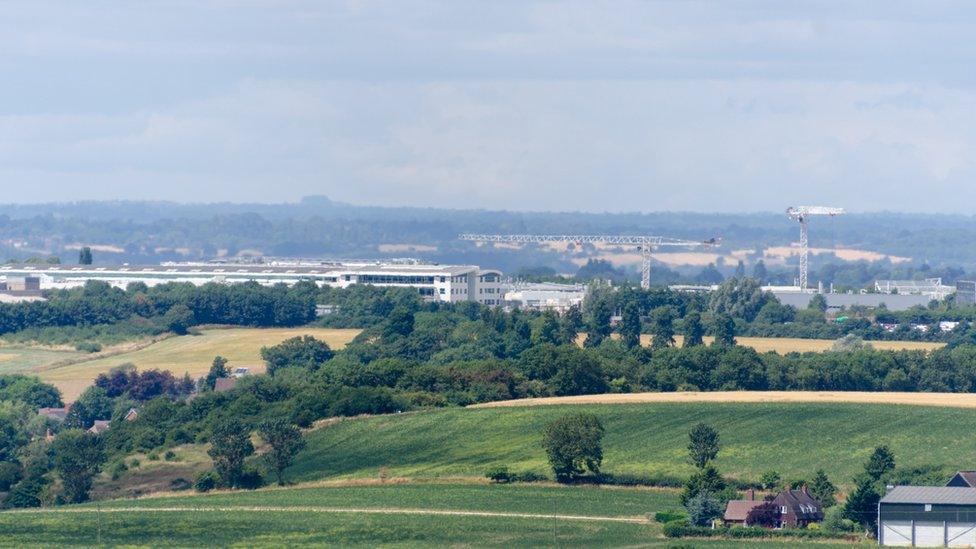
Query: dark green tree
704, 481
545, 329
570, 323
881, 462
662, 326
285, 440
770, 480
598, 323
693, 330
399, 323
78, 457
703, 508
300, 351
759, 271
85, 256
740, 270
822, 489
574, 445
703, 445
229, 445
862, 504
724, 329
178, 319
630, 325
818, 303
218, 369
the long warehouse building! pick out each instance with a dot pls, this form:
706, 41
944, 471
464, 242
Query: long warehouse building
449, 283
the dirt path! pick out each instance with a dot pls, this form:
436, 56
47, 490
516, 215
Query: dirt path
952, 400
334, 510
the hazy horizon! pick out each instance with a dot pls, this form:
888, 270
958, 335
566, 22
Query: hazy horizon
626, 107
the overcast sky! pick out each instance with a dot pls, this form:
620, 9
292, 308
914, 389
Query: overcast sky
616, 106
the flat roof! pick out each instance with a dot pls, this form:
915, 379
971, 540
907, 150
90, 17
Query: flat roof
238, 269
945, 495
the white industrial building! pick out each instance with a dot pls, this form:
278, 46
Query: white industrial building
448, 283
545, 295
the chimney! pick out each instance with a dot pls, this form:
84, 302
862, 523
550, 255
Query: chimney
751, 494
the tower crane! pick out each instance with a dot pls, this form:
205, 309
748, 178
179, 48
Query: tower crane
644, 244
800, 215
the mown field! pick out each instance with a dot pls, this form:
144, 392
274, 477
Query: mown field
191, 354
794, 439
391, 515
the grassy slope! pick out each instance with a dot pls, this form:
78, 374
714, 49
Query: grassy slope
216, 523
193, 354
794, 439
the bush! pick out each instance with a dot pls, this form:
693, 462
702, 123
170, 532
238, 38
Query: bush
180, 484
117, 469
206, 481
250, 479
169, 455
153, 456
528, 476
679, 529
89, 347
499, 474
665, 517
834, 521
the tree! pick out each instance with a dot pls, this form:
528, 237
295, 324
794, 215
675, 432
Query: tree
598, 323
178, 319
706, 480
630, 324
545, 329
399, 323
862, 505
85, 256
822, 489
818, 303
770, 480
229, 445
740, 270
766, 515
724, 328
880, 463
570, 324
300, 351
703, 445
709, 275
285, 440
574, 445
703, 508
693, 329
218, 369
759, 271
662, 326
78, 457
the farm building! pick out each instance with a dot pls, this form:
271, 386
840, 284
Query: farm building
795, 508
928, 516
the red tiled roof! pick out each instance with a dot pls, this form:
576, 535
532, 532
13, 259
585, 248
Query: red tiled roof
738, 509
224, 383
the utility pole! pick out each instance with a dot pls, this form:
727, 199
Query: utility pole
800, 215
645, 244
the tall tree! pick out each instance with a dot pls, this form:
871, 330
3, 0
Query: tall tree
704, 481
574, 445
818, 303
822, 489
880, 463
78, 457
285, 441
740, 270
759, 271
218, 369
570, 324
703, 445
862, 504
693, 330
598, 323
229, 445
662, 326
724, 329
399, 323
630, 324
85, 256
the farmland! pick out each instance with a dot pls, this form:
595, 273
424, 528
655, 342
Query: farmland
644, 439
190, 353
393, 515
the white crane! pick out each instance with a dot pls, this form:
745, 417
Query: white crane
645, 244
800, 214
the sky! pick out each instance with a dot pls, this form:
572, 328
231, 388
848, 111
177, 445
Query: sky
581, 106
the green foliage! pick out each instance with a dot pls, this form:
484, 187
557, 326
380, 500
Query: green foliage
29, 390
218, 369
703, 508
693, 330
206, 481
300, 351
78, 457
739, 298
862, 504
499, 474
670, 516
399, 324
706, 480
723, 328
229, 445
662, 326
285, 441
178, 319
574, 445
85, 256
630, 325
822, 490
818, 303
834, 521
770, 480
89, 347
881, 462
703, 445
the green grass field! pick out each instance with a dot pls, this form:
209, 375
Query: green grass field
648, 439
334, 516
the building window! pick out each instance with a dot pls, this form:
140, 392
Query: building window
783, 510
928, 507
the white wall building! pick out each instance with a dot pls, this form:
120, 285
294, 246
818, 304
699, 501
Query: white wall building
449, 283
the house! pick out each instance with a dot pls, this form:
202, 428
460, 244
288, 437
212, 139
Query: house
239, 372
224, 384
99, 427
796, 508
131, 415
964, 479
57, 414
928, 516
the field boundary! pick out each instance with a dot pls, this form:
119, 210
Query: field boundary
334, 510
948, 400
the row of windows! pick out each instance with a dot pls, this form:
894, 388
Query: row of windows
489, 290
395, 279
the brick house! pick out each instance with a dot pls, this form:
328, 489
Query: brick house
795, 508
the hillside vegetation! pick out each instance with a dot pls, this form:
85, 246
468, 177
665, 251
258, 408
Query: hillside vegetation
645, 439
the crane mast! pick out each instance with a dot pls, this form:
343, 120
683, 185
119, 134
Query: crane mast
645, 244
800, 215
